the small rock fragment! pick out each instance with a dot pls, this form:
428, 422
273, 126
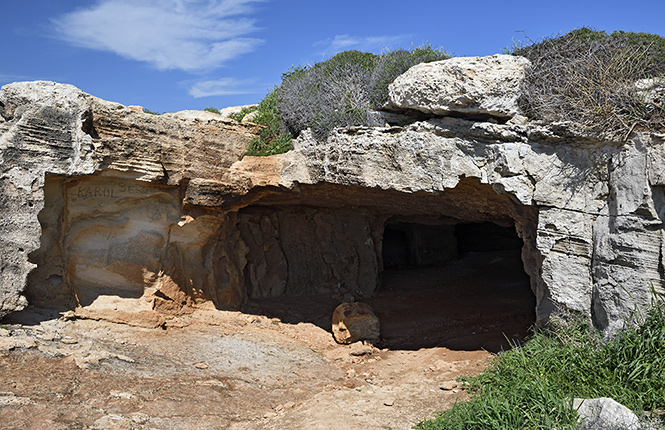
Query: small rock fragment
201, 366
605, 413
359, 348
518, 120
125, 358
68, 316
449, 385
139, 418
389, 402
12, 399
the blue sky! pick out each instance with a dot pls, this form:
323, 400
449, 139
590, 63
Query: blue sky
170, 55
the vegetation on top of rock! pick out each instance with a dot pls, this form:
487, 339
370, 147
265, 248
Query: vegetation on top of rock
273, 139
344, 90
238, 116
212, 109
592, 78
588, 77
532, 386
146, 110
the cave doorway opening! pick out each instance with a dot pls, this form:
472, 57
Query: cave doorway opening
457, 285
457, 269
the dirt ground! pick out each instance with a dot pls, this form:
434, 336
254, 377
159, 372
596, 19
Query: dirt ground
276, 366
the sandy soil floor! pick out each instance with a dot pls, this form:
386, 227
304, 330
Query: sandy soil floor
275, 366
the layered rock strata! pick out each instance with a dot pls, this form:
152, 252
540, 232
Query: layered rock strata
118, 212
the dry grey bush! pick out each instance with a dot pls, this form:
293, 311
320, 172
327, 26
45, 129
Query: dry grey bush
344, 90
328, 95
588, 77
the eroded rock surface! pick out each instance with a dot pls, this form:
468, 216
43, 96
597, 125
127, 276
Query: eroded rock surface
117, 212
105, 232
475, 85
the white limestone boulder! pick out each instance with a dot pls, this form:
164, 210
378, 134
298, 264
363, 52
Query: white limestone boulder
605, 413
469, 85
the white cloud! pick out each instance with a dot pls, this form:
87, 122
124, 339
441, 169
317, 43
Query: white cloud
11, 78
344, 42
222, 87
189, 35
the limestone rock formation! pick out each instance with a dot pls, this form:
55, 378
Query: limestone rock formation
117, 212
352, 322
606, 413
472, 85
61, 148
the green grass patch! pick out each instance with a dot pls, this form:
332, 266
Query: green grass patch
532, 386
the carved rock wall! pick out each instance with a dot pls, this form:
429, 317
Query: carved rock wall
300, 250
120, 211
86, 234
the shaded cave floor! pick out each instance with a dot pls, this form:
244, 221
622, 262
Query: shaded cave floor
477, 302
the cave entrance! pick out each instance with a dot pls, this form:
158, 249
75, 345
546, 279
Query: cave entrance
439, 269
460, 286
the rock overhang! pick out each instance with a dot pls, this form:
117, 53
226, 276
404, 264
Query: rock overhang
589, 212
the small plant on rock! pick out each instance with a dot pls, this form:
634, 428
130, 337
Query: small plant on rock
212, 110
273, 138
238, 116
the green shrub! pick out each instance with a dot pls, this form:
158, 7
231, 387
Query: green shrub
338, 92
212, 109
344, 90
273, 138
588, 77
532, 386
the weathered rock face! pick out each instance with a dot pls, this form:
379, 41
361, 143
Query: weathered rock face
118, 231
302, 250
475, 85
606, 413
118, 211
